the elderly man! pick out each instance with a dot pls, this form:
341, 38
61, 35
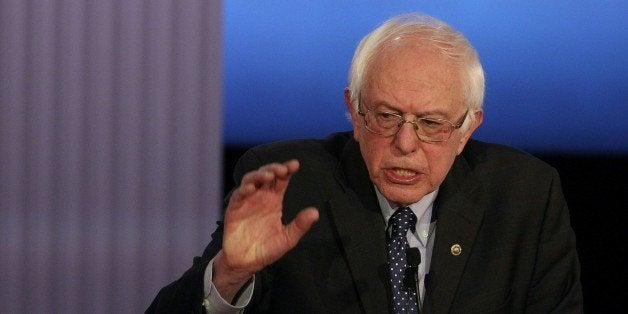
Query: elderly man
406, 214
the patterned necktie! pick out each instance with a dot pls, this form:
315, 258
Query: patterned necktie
400, 222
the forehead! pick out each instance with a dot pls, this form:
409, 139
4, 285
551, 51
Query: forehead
416, 76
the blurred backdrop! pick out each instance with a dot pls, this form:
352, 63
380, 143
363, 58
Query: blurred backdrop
556, 70
120, 122
110, 149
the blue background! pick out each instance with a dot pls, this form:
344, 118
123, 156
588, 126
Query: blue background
557, 71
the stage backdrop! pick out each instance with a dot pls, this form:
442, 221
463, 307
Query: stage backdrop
556, 70
110, 149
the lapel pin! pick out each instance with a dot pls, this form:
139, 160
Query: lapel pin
456, 249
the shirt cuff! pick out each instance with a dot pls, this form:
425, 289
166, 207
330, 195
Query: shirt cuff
213, 301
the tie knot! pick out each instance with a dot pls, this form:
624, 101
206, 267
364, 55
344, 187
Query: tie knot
401, 221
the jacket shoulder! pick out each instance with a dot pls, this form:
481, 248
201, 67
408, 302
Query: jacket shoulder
497, 158
311, 153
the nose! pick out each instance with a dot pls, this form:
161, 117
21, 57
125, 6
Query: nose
406, 139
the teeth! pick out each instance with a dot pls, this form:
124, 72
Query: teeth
405, 172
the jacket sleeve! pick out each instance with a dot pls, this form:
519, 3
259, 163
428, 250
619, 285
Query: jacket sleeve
556, 283
185, 295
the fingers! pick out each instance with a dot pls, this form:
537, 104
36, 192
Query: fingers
273, 177
268, 176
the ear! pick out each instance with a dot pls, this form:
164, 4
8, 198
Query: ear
479, 117
352, 114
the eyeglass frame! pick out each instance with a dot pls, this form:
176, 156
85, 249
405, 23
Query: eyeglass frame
403, 120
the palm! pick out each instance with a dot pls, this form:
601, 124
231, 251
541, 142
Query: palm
255, 235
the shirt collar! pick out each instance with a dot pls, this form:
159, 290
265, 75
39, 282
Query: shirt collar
419, 208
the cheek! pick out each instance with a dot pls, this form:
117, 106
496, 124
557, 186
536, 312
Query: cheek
440, 161
365, 149
357, 134
358, 126
372, 152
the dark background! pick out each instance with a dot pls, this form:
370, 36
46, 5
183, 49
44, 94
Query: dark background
596, 192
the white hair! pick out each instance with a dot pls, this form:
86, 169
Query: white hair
420, 27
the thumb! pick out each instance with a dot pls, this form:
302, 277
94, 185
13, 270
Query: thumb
301, 224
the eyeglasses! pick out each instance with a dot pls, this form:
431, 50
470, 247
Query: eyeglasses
428, 129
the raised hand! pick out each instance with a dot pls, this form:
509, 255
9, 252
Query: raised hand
254, 235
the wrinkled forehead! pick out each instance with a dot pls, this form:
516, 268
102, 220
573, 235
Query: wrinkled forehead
413, 77
413, 65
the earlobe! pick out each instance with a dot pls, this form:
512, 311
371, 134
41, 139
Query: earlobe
351, 114
479, 117
349, 105
347, 98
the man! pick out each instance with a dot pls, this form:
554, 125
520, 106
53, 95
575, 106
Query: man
404, 214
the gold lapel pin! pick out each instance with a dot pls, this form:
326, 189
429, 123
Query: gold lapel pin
456, 249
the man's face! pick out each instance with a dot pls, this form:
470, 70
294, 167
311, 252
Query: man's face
414, 82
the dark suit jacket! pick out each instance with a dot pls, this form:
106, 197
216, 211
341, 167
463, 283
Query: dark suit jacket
504, 208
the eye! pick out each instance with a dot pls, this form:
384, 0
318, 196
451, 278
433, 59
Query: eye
386, 120
384, 116
432, 124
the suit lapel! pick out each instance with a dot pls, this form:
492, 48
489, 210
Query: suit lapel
459, 217
360, 226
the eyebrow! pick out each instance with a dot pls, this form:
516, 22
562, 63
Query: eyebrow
392, 107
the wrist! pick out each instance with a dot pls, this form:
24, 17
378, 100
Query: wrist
227, 279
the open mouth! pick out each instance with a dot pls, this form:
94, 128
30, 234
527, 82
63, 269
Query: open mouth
404, 172
402, 175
